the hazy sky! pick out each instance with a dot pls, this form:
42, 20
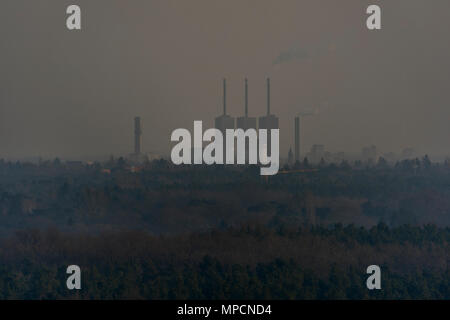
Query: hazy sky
71, 94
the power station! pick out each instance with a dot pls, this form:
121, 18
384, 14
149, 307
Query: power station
137, 156
268, 121
224, 121
246, 122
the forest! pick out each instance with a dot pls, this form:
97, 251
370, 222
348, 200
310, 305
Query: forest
245, 263
158, 231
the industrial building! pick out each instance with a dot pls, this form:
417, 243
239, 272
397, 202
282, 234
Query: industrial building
246, 122
268, 121
224, 121
137, 156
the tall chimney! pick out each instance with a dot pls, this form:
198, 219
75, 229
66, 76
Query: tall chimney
137, 135
246, 98
297, 138
268, 96
224, 97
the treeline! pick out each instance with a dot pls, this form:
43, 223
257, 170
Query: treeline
251, 262
164, 199
210, 279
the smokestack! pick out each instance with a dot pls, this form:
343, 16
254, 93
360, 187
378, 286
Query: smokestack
297, 139
246, 98
268, 96
137, 135
224, 97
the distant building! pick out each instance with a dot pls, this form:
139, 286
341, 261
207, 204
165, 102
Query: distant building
269, 121
153, 156
224, 121
390, 156
246, 122
137, 156
369, 153
317, 153
407, 153
338, 157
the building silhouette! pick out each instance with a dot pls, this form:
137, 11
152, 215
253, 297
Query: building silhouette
268, 121
317, 153
224, 121
246, 122
297, 138
137, 135
137, 156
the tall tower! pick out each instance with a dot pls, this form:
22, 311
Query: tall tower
269, 121
297, 138
224, 121
137, 135
246, 122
